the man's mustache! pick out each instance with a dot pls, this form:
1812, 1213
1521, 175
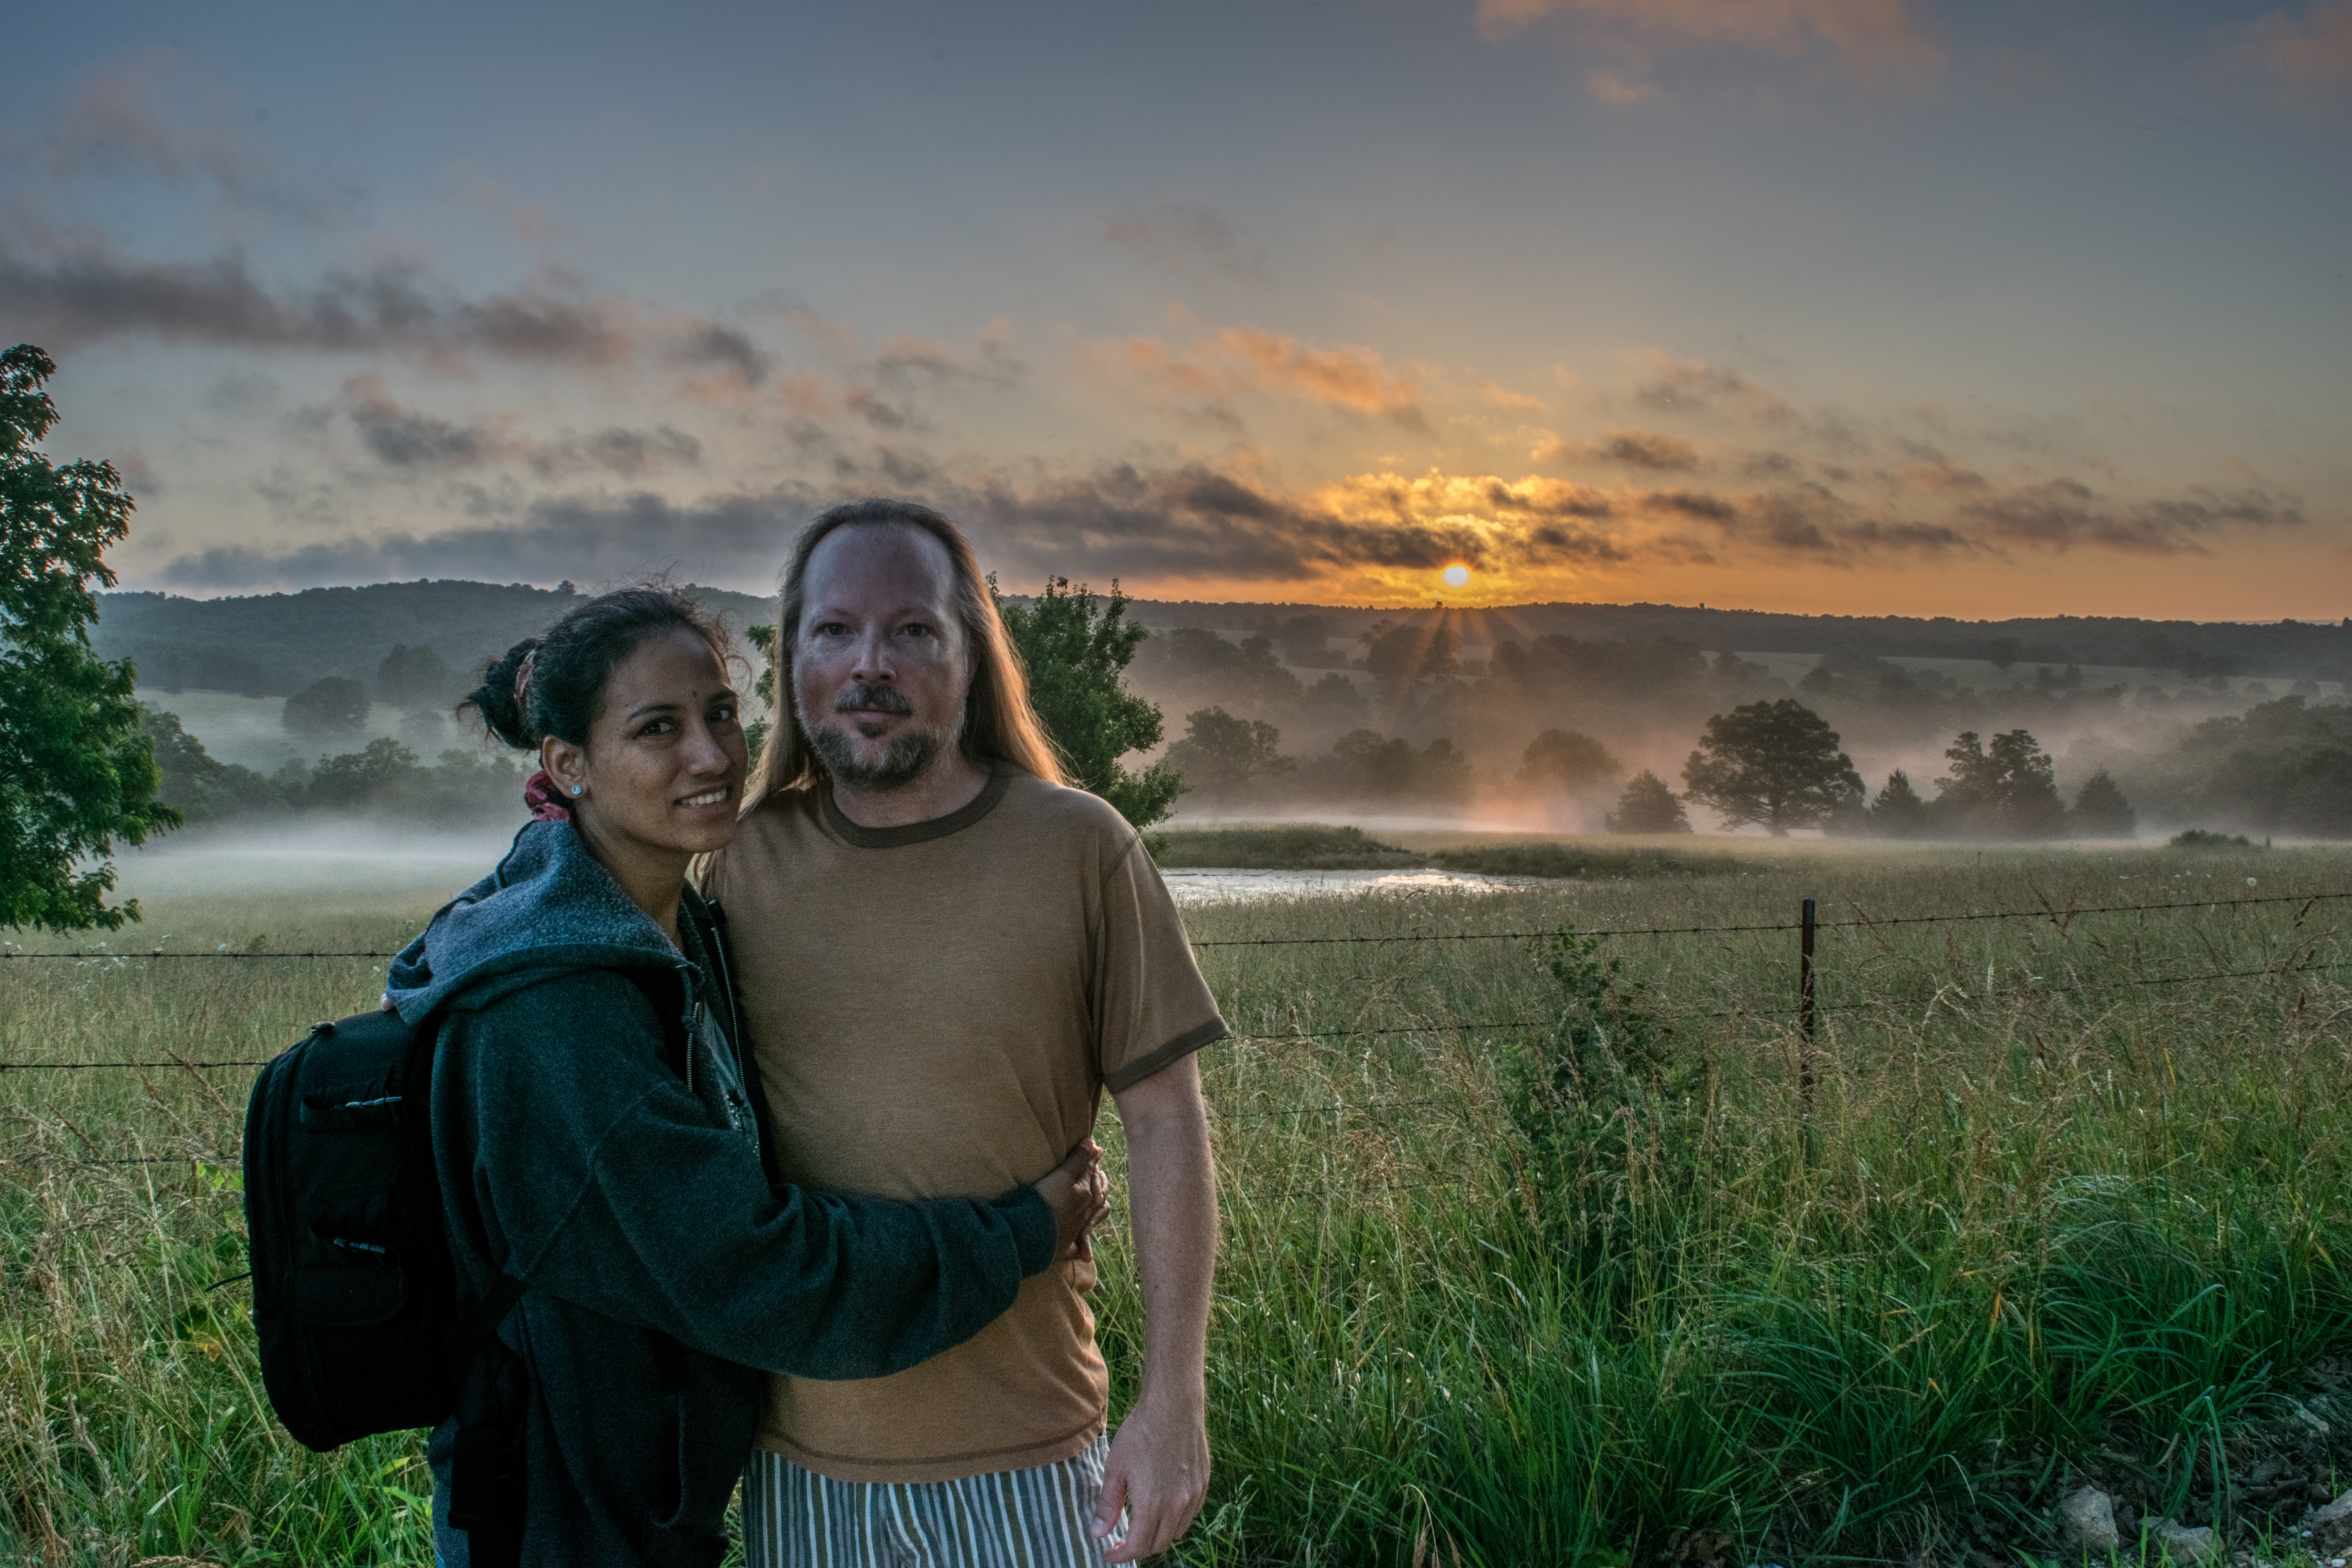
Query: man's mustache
881, 699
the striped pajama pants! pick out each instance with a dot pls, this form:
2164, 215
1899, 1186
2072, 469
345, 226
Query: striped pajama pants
794, 1518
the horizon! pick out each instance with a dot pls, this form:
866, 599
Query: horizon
1828, 307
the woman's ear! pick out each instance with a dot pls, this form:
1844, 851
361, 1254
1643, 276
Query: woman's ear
566, 763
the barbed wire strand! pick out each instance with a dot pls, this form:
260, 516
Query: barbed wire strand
1508, 1024
2046, 913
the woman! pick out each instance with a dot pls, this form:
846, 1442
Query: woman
595, 1138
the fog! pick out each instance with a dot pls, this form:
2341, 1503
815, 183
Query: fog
326, 863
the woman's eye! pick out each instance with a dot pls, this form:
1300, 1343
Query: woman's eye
658, 727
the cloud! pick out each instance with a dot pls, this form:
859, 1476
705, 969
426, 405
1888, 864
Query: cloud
725, 536
1644, 449
407, 440
2308, 59
1234, 361
1616, 91
2064, 514
394, 306
1686, 386
1882, 41
153, 116
1185, 237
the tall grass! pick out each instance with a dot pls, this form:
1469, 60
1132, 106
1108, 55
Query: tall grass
1570, 1268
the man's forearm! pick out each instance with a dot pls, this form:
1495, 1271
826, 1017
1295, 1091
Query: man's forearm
1173, 1206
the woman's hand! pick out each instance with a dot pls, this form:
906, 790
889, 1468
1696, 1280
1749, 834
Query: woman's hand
1079, 1194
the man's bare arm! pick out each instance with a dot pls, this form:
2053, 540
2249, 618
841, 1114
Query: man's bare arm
1159, 1464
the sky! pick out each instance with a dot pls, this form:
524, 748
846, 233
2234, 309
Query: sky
1897, 307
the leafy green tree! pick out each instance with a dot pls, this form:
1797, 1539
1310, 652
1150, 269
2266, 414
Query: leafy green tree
1399, 656
76, 771
335, 706
1566, 760
1336, 690
1386, 767
1776, 764
763, 691
1899, 812
414, 676
2101, 811
1648, 806
1220, 755
370, 776
196, 783
1076, 656
2007, 789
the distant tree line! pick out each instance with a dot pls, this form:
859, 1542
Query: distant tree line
381, 778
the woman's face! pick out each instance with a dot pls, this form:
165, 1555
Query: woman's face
663, 766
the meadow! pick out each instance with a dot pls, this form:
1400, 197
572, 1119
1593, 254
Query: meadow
1555, 1247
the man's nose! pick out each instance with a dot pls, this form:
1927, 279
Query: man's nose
873, 657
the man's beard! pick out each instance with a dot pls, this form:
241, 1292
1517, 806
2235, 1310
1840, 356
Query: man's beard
903, 759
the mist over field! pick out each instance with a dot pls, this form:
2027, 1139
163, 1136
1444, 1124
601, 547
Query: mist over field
294, 710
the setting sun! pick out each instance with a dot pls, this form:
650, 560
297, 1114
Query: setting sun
1456, 576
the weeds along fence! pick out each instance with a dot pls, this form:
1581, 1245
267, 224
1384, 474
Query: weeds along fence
1602, 1224
1801, 1005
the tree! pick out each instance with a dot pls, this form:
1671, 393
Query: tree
1898, 811
2004, 790
76, 772
1336, 690
1219, 753
1399, 656
1386, 766
335, 706
1773, 763
196, 783
361, 778
414, 676
1566, 760
1648, 806
2101, 811
1076, 656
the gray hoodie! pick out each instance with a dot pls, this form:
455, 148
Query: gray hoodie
581, 1149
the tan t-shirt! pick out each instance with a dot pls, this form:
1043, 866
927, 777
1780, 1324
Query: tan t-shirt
935, 1011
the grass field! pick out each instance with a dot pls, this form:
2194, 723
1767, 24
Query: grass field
1526, 1258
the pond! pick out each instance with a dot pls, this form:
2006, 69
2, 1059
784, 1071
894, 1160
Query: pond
1211, 885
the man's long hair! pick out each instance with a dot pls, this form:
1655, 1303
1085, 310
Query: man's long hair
999, 724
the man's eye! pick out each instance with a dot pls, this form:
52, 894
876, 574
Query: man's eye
915, 629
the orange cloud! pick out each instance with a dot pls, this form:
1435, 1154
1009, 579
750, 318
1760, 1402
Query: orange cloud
2310, 59
1238, 359
1881, 39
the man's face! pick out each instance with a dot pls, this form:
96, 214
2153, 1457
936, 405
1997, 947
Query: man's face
880, 670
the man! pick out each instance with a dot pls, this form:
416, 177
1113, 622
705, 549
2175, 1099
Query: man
946, 956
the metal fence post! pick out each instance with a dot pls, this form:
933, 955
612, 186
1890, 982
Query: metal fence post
1805, 1007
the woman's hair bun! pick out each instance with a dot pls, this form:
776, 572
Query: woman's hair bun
505, 711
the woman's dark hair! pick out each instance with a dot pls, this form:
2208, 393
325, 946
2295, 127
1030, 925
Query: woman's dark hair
568, 668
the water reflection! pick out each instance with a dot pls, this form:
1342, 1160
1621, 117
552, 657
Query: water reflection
1211, 885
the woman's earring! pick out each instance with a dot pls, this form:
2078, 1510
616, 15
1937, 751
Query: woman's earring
577, 788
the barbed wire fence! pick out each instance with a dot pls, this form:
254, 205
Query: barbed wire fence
1804, 1011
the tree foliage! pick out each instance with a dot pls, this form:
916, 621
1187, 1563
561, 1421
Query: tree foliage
1077, 650
414, 676
1648, 805
1398, 656
76, 772
2007, 789
2101, 811
1566, 760
1776, 764
1899, 812
335, 706
1221, 755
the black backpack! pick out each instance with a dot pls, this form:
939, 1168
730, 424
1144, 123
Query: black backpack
354, 1296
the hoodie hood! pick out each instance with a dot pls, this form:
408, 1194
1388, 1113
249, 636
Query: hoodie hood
549, 908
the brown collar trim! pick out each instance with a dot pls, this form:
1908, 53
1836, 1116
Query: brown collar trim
1000, 779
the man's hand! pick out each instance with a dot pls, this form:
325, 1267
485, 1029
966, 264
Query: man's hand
1158, 1471
1159, 1464
1079, 1194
